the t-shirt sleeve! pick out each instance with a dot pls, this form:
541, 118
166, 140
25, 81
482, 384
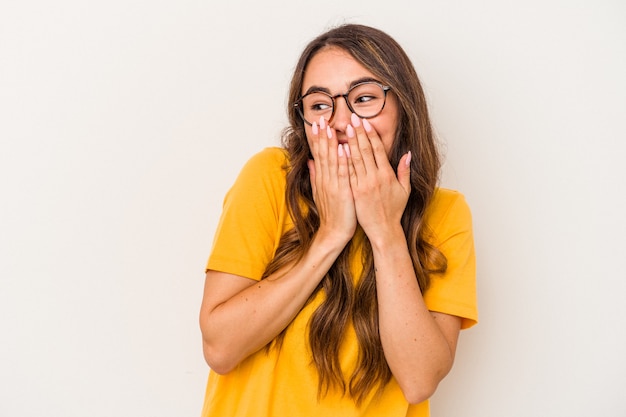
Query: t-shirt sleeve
453, 292
249, 228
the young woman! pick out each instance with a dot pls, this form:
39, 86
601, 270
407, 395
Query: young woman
340, 275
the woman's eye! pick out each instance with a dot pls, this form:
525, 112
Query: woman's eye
364, 99
320, 107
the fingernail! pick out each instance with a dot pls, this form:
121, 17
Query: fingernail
367, 125
350, 131
340, 150
322, 123
355, 120
346, 148
408, 160
314, 128
329, 132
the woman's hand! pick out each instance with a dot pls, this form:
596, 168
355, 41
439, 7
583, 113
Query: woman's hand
380, 196
331, 184
405, 324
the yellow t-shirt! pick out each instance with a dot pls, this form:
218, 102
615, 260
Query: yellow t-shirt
283, 383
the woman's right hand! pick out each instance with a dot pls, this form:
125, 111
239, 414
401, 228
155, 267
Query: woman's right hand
330, 183
260, 310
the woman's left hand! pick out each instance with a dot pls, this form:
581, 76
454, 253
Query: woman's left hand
380, 195
406, 325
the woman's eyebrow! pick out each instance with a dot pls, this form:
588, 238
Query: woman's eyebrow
363, 80
316, 88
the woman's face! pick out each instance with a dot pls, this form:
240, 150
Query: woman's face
336, 71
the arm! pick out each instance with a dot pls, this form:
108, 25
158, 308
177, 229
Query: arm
239, 315
419, 345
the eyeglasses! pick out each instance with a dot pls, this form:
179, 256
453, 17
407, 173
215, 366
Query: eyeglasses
365, 99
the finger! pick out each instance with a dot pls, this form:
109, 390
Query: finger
315, 166
355, 160
311, 164
332, 142
378, 149
352, 175
313, 140
363, 154
404, 172
323, 146
342, 166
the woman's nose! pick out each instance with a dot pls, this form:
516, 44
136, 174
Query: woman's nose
341, 118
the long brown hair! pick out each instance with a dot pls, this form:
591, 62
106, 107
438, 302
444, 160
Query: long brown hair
345, 302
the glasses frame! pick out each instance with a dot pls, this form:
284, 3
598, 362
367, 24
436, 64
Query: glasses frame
298, 103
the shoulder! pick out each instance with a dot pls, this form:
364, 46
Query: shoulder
271, 158
264, 169
448, 208
263, 175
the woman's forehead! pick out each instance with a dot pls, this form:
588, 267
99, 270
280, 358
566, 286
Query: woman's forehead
334, 69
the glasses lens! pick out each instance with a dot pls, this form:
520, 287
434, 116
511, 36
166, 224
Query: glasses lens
367, 99
316, 105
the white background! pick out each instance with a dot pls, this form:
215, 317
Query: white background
123, 123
